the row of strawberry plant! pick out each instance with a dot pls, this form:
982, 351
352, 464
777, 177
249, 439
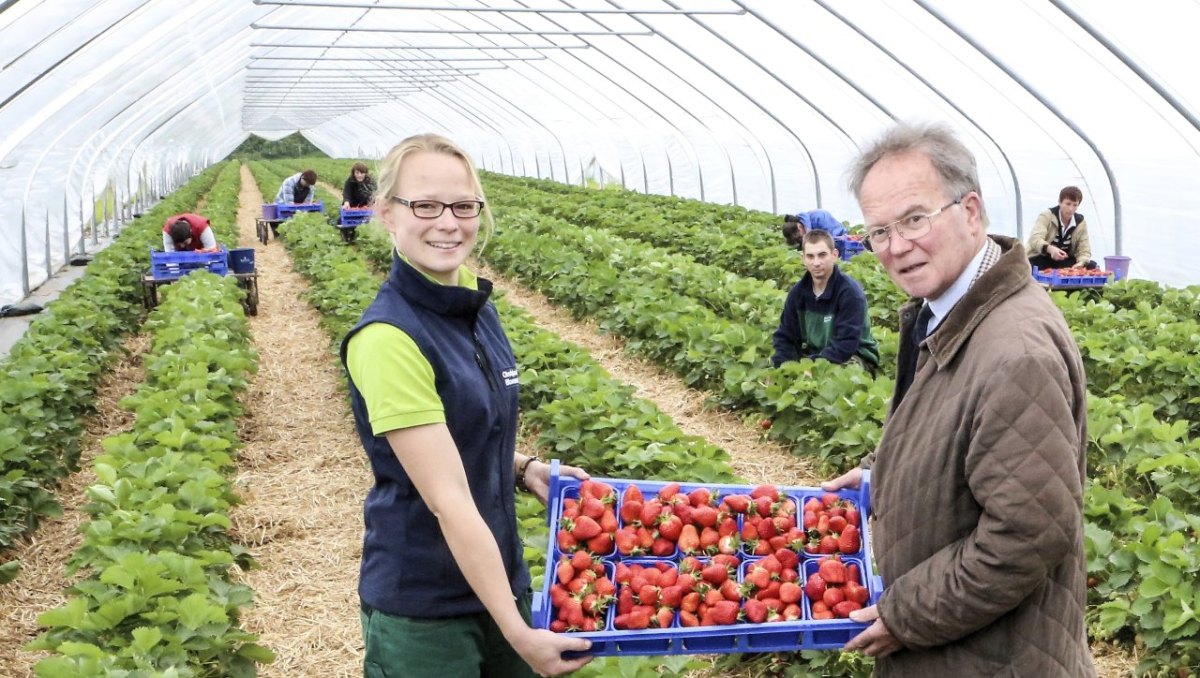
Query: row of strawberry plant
50, 375
160, 594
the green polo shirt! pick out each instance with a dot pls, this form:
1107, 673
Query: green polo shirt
394, 378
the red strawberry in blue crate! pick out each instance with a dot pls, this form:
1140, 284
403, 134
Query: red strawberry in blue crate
769, 491
730, 591
738, 504
663, 617
715, 574
849, 540
601, 544
814, 587
662, 547
755, 611
564, 570
832, 570
789, 592
668, 492
651, 510
631, 512
670, 527
689, 540
723, 613
787, 558
705, 516
585, 528
566, 541
700, 496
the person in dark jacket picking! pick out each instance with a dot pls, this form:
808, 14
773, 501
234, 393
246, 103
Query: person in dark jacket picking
825, 314
977, 480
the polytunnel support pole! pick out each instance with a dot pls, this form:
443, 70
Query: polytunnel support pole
49, 263
1112, 179
92, 219
24, 257
66, 229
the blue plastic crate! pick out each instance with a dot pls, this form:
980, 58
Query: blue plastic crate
848, 248
354, 217
1055, 279
803, 634
286, 210
172, 265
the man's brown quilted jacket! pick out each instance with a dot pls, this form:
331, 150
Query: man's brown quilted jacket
977, 490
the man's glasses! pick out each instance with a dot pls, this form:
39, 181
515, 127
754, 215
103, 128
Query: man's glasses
909, 228
432, 209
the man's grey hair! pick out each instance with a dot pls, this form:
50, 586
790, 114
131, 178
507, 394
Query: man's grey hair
954, 163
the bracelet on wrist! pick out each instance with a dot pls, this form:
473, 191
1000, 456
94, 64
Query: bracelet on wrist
522, 469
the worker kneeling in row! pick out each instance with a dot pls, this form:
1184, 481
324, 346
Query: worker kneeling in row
188, 233
825, 314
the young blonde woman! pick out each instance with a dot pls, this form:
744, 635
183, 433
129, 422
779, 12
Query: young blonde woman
433, 384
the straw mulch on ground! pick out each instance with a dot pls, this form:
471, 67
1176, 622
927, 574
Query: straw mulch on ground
303, 477
44, 553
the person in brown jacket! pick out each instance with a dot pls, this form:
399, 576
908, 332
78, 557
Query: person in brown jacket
977, 481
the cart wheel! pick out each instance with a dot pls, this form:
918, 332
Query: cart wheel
352, 235
261, 227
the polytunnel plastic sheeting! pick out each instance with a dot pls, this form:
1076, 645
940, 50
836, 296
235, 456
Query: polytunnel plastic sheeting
759, 103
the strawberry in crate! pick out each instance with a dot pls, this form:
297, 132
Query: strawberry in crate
589, 521
715, 598
580, 594
771, 589
648, 595
768, 519
834, 588
832, 525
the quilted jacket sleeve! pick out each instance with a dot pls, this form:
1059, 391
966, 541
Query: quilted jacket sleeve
1042, 234
1023, 470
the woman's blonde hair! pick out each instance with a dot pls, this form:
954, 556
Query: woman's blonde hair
391, 166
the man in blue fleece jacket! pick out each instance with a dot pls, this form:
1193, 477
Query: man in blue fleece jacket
825, 315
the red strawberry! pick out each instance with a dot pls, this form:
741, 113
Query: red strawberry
625, 600
829, 499
770, 491
787, 558
689, 540
813, 504
730, 591
852, 516
828, 544
631, 511
605, 587
814, 588
690, 602
662, 547
832, 571
670, 528
647, 595
591, 507
626, 539
849, 541
727, 526
756, 611
632, 493
843, 609
564, 570
651, 510
581, 561
791, 612
837, 524
852, 573
730, 561
589, 604
758, 578
789, 593
668, 492
728, 544
601, 544
708, 540
566, 542
684, 511
705, 516
762, 505
833, 596
737, 503
585, 528
663, 617
608, 521
715, 574
671, 596
856, 592
688, 619
558, 626
700, 496
721, 614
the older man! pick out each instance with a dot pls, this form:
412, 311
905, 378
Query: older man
978, 478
